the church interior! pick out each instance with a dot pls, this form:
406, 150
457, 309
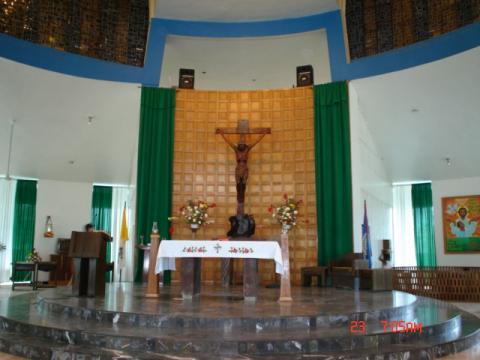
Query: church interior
156, 156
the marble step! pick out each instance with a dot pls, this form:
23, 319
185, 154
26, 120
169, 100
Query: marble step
184, 315
252, 331
445, 326
467, 336
23, 310
34, 348
419, 351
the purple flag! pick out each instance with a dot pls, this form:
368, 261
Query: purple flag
367, 248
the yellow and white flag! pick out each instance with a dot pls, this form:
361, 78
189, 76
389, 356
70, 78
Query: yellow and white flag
124, 229
123, 239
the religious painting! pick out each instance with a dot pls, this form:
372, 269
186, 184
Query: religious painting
461, 223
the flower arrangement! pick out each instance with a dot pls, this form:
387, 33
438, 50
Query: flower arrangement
194, 213
34, 256
286, 214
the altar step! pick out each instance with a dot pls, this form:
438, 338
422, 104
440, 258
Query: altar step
27, 318
34, 348
226, 309
444, 329
180, 320
59, 326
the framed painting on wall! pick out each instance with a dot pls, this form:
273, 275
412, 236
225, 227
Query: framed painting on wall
461, 224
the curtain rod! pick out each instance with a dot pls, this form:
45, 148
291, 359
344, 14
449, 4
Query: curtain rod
112, 185
400, 183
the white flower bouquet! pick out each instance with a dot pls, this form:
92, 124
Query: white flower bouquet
194, 213
286, 214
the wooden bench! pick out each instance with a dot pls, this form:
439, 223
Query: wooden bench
308, 272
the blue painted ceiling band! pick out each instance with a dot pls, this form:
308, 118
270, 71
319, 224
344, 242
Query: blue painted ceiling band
423, 52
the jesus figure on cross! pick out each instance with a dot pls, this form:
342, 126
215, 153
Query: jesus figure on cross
241, 171
242, 150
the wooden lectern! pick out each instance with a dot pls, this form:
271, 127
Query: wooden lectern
88, 250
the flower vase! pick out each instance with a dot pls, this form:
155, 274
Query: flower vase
194, 228
286, 228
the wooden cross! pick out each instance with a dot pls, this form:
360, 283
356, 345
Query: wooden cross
242, 129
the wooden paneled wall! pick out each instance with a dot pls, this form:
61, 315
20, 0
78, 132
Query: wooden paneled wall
283, 162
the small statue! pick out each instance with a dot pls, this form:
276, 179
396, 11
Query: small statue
241, 226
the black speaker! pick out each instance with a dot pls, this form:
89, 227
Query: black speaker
304, 75
186, 79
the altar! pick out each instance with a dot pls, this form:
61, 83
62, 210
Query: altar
192, 251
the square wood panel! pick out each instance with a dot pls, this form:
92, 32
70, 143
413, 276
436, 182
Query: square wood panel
283, 162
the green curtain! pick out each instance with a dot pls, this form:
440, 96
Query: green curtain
24, 221
333, 171
155, 167
102, 216
423, 224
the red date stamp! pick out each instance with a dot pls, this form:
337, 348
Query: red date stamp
399, 326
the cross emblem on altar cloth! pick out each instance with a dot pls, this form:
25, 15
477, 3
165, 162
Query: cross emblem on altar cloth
217, 247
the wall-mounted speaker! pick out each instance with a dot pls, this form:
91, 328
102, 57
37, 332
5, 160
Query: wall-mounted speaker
304, 75
186, 79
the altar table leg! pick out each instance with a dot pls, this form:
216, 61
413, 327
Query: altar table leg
227, 265
197, 275
250, 279
191, 277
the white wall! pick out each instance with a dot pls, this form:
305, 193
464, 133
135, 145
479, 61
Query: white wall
370, 182
447, 188
410, 114
234, 10
246, 63
52, 129
69, 204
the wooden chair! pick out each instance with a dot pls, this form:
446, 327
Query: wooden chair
344, 270
307, 273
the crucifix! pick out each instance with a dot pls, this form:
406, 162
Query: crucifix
242, 226
241, 152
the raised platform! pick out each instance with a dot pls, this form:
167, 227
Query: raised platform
52, 324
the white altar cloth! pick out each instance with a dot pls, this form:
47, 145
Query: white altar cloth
171, 249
